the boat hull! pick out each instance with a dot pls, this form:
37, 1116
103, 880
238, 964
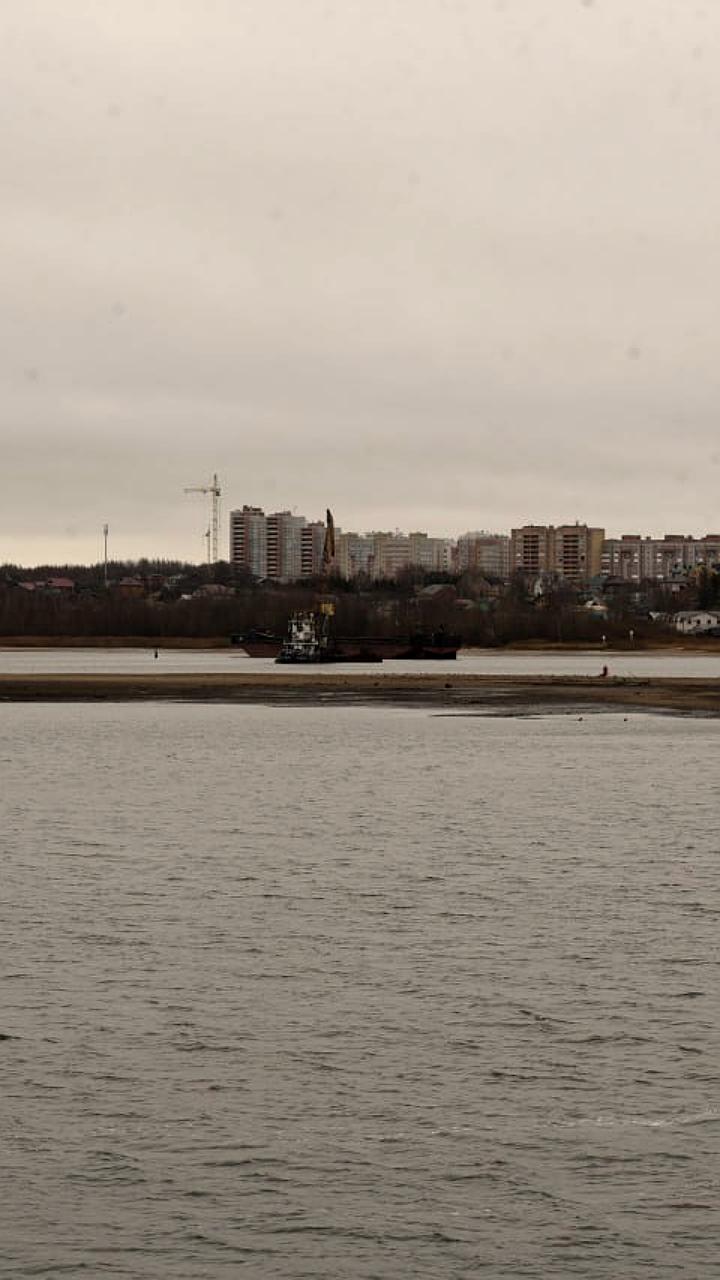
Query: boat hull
254, 649
258, 644
289, 659
408, 649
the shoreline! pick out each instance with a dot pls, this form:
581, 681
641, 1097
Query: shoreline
446, 690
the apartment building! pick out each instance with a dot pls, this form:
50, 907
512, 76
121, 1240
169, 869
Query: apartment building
577, 552
284, 546
484, 552
248, 540
629, 557
354, 554
572, 551
432, 554
382, 554
281, 546
531, 549
637, 559
311, 553
676, 555
391, 554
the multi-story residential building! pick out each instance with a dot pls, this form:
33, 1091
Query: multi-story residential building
485, 552
384, 555
676, 555
630, 557
432, 554
572, 551
708, 550
284, 546
531, 549
391, 554
248, 540
354, 553
637, 559
281, 545
577, 552
312, 544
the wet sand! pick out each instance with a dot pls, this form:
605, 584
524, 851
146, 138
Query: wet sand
444, 690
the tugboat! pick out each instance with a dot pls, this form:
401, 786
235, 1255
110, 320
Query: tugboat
310, 639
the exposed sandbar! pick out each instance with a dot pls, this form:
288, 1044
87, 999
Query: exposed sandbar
442, 690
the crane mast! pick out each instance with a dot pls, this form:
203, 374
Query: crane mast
213, 533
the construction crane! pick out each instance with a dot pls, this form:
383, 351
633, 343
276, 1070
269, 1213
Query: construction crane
213, 489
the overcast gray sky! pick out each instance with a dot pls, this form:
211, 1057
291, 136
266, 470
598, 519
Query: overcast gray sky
438, 265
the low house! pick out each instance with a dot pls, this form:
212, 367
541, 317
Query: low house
696, 622
129, 587
214, 589
438, 593
52, 586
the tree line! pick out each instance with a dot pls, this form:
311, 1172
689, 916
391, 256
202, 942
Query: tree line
478, 609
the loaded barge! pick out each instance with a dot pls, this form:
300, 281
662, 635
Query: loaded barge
424, 645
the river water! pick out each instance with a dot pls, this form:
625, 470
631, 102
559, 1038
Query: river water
357, 992
498, 662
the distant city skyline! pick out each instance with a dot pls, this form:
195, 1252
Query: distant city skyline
286, 547
200, 517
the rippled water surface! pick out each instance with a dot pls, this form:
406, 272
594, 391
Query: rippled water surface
357, 993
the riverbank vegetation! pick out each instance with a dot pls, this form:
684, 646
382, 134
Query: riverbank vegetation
164, 600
